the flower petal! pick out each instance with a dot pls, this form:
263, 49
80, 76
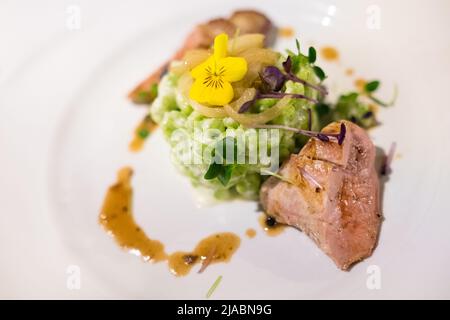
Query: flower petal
216, 96
200, 71
198, 91
222, 95
234, 68
220, 46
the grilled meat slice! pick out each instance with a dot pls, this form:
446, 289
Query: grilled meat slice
332, 195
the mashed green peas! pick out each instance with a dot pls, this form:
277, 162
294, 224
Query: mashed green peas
181, 124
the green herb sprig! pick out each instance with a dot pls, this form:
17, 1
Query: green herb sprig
222, 171
213, 287
372, 86
299, 59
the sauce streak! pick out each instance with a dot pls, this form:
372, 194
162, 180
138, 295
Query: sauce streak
116, 217
270, 226
329, 53
141, 133
251, 233
218, 247
349, 72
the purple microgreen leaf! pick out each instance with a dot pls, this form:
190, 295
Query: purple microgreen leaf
323, 137
287, 65
319, 88
342, 133
273, 77
279, 95
386, 166
309, 119
367, 115
246, 106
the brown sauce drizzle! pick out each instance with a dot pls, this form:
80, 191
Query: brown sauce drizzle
251, 233
270, 226
141, 133
218, 247
329, 53
116, 217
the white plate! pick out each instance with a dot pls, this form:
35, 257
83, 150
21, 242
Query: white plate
65, 124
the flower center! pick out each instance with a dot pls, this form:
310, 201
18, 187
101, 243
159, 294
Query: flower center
214, 78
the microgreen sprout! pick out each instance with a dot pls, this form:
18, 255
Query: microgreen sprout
322, 136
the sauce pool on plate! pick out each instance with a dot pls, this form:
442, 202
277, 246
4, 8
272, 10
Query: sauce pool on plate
286, 32
218, 247
270, 226
329, 53
250, 233
117, 219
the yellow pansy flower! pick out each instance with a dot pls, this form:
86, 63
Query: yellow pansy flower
212, 85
